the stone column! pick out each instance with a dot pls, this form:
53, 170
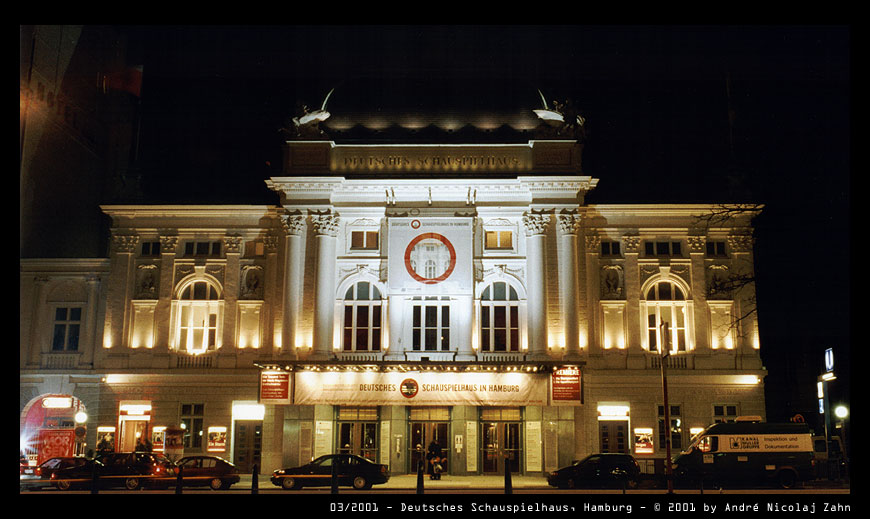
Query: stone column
740, 247
93, 282
633, 330
294, 226
395, 309
120, 284
271, 293
593, 294
465, 352
163, 312
36, 321
536, 283
326, 231
697, 250
569, 225
229, 337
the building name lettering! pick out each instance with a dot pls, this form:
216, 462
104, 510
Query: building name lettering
398, 161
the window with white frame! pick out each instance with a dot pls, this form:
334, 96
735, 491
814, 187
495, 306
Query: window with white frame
430, 323
499, 318
362, 321
67, 326
198, 317
667, 311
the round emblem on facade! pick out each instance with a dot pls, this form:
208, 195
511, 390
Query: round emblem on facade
430, 258
415, 224
409, 388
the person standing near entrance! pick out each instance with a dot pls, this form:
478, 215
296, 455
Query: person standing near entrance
433, 456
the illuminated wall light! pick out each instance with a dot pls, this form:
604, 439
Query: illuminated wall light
115, 379
746, 379
695, 430
57, 402
613, 412
248, 411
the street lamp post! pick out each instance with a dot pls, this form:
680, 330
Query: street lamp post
664, 351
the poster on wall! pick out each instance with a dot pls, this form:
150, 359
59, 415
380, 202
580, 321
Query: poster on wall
217, 439
533, 446
56, 443
430, 255
565, 388
322, 438
275, 387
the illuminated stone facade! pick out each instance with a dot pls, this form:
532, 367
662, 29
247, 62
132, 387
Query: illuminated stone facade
534, 331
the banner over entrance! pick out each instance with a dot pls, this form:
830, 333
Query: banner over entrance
414, 388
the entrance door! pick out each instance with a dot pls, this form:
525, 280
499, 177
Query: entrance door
613, 436
501, 440
131, 432
422, 434
358, 438
248, 445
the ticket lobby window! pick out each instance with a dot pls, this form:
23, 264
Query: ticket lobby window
358, 431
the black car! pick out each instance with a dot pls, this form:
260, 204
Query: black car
134, 470
598, 470
350, 470
77, 474
217, 473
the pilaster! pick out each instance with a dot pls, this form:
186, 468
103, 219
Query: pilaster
294, 228
569, 226
536, 227
325, 226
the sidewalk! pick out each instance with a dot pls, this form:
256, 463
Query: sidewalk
409, 482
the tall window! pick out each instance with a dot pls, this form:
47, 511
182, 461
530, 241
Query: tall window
499, 318
666, 304
430, 323
676, 428
362, 318
191, 424
67, 326
198, 310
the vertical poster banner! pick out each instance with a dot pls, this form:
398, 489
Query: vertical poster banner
431, 255
275, 387
533, 447
565, 386
385, 443
471, 446
322, 438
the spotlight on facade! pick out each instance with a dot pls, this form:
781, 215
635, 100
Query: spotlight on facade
841, 412
81, 417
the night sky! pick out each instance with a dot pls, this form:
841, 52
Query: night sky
657, 102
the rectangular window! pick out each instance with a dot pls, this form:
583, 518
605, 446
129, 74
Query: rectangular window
724, 413
498, 240
663, 248
67, 326
203, 249
675, 428
151, 248
430, 328
610, 248
192, 423
716, 249
364, 240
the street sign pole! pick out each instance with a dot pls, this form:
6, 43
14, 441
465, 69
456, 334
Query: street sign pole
664, 351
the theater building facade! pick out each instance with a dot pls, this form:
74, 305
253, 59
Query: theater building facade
397, 294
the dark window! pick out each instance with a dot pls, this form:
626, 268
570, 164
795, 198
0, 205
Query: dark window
663, 248
610, 248
716, 249
151, 248
67, 327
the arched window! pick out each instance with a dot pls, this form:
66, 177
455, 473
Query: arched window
667, 314
362, 318
499, 318
198, 311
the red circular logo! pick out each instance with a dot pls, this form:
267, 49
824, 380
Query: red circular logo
430, 258
415, 224
409, 388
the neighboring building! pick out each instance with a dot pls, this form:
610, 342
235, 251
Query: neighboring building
403, 292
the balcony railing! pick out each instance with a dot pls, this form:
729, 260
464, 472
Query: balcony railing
186, 360
54, 360
360, 356
434, 356
672, 361
501, 356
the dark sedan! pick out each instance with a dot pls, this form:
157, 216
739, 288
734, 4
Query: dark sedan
40, 475
131, 470
217, 473
350, 470
66, 476
598, 470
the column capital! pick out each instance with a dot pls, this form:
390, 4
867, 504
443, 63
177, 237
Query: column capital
631, 243
740, 242
535, 223
168, 244
293, 224
569, 223
593, 243
124, 242
697, 244
232, 244
325, 224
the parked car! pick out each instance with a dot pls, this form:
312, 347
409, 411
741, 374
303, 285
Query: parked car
66, 476
213, 471
40, 475
598, 470
134, 470
350, 470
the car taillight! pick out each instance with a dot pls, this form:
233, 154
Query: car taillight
38, 471
383, 469
53, 475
